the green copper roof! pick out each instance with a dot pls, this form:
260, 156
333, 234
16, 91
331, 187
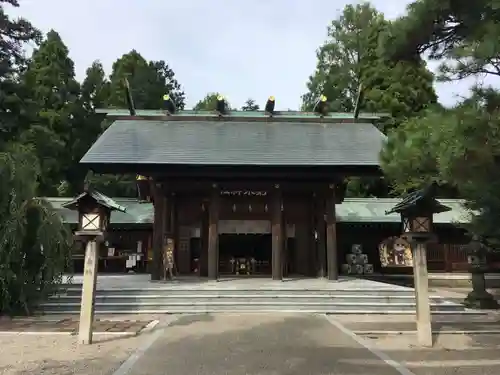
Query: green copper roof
237, 143
135, 211
116, 112
352, 210
100, 198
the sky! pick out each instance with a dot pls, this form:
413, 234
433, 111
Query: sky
242, 49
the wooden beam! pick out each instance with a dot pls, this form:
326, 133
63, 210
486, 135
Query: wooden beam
277, 233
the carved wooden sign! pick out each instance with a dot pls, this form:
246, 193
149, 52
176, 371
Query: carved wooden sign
244, 193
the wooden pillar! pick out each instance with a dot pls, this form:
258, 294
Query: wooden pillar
321, 233
331, 236
88, 293
158, 232
312, 254
277, 233
203, 261
421, 280
175, 231
213, 234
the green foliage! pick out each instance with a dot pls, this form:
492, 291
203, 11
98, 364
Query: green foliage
208, 103
458, 148
50, 83
149, 81
351, 56
250, 105
14, 35
35, 242
350, 48
462, 34
114, 185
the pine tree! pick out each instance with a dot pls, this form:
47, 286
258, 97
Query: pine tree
50, 84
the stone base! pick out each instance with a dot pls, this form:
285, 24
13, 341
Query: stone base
481, 300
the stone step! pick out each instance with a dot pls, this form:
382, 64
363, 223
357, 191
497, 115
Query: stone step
231, 306
244, 298
183, 291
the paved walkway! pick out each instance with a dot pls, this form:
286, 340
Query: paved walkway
250, 344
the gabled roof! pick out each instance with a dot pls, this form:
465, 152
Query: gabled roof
98, 197
418, 200
237, 142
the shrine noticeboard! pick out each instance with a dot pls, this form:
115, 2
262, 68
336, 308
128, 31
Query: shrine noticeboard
395, 252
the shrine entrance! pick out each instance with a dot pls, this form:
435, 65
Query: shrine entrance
245, 247
245, 254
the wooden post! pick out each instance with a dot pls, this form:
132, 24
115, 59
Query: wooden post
312, 254
175, 231
158, 232
277, 234
321, 233
331, 236
421, 280
203, 261
88, 293
213, 234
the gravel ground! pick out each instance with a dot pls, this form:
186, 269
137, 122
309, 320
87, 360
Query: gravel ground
450, 355
60, 354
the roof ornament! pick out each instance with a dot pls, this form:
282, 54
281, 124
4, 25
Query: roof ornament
168, 105
269, 109
130, 99
221, 105
321, 106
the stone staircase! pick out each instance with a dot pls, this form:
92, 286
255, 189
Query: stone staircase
350, 296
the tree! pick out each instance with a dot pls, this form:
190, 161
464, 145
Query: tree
36, 244
14, 35
94, 94
461, 34
149, 81
458, 148
351, 56
250, 105
50, 84
208, 103
351, 47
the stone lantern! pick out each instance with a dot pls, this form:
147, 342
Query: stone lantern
417, 210
94, 213
478, 298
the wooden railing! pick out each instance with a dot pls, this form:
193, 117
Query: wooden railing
447, 257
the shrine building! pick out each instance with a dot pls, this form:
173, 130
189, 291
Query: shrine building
241, 192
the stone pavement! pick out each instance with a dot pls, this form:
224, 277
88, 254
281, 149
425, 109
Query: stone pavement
250, 344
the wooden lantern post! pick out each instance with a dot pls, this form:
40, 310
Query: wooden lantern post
417, 210
94, 212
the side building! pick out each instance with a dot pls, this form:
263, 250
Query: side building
367, 237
